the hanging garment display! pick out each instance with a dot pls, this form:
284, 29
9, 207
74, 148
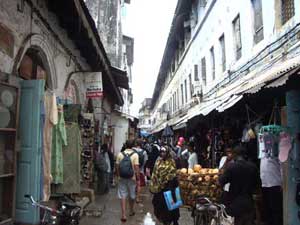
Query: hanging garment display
88, 140
274, 141
71, 159
285, 145
59, 139
51, 118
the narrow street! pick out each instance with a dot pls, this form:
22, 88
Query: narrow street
110, 206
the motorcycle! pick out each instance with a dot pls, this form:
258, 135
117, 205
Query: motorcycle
67, 213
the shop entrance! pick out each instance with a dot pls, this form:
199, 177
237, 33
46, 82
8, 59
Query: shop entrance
34, 81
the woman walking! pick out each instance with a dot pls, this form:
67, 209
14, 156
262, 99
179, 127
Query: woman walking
164, 179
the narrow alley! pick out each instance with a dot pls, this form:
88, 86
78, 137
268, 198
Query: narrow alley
110, 209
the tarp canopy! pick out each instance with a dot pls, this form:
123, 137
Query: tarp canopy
144, 133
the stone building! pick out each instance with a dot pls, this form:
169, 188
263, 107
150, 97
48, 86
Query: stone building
56, 43
222, 56
119, 47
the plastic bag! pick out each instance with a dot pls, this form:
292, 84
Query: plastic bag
171, 204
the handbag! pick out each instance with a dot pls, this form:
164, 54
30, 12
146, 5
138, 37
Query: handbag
171, 203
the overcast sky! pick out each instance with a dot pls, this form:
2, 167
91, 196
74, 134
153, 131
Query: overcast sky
148, 22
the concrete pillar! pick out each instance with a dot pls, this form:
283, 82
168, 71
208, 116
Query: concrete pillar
293, 170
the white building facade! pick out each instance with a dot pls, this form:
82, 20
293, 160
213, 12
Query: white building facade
216, 46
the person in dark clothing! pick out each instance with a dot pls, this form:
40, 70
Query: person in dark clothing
243, 178
164, 179
152, 156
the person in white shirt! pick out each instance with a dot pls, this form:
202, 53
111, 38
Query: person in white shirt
224, 162
271, 181
193, 158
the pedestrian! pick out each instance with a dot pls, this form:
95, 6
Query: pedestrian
127, 168
142, 161
224, 163
152, 156
102, 170
243, 178
164, 179
193, 157
271, 180
107, 172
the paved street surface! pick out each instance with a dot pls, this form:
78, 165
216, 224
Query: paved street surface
111, 211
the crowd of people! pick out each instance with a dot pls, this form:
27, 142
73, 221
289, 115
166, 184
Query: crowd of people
140, 163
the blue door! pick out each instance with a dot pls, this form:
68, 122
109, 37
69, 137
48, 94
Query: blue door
29, 157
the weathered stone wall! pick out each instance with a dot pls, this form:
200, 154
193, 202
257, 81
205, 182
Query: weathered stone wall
107, 17
28, 30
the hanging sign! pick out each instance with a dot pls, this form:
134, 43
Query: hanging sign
94, 87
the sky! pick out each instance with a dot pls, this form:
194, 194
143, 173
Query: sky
148, 22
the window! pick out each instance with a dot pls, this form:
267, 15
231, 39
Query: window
177, 93
175, 96
196, 76
191, 85
258, 21
182, 94
185, 90
237, 37
223, 52
287, 10
212, 57
203, 70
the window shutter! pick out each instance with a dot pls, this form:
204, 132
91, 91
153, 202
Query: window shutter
196, 75
203, 70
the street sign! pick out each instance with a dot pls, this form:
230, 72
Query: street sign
94, 87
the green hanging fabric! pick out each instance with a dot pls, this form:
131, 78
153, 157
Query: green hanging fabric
59, 139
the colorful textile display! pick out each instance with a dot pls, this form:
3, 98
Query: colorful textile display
59, 139
71, 159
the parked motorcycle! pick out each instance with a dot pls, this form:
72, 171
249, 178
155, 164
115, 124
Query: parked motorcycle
67, 213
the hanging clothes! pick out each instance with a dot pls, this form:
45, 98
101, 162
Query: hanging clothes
51, 118
59, 139
71, 159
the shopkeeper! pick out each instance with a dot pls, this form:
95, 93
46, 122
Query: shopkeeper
193, 158
243, 178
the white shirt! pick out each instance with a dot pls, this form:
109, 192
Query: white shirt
270, 172
193, 160
106, 156
145, 158
221, 164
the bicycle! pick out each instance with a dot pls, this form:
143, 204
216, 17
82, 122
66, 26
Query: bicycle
206, 212
67, 213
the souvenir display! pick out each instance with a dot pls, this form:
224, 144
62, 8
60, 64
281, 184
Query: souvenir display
198, 182
87, 156
9, 100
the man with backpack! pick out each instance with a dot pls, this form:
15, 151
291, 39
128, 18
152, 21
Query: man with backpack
127, 168
142, 161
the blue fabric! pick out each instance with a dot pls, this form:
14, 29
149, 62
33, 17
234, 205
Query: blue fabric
170, 201
42, 118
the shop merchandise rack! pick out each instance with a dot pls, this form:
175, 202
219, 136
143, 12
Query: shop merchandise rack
87, 154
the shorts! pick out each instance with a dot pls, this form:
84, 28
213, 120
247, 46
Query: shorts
126, 188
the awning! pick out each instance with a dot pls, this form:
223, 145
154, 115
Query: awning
159, 128
279, 73
229, 103
181, 123
120, 77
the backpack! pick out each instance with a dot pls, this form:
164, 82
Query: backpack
141, 156
125, 167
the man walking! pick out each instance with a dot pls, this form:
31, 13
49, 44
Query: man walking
127, 169
143, 157
243, 178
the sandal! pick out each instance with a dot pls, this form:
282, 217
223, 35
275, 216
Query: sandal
123, 220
